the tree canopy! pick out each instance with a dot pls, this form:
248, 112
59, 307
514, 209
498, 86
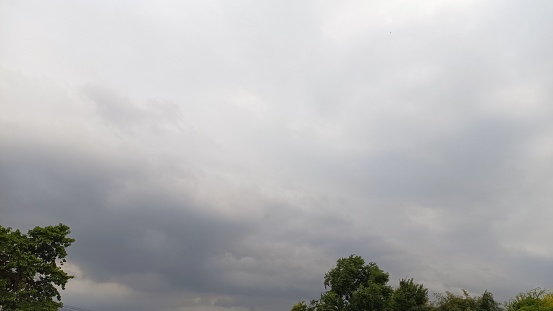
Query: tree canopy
466, 302
533, 300
353, 285
409, 296
30, 268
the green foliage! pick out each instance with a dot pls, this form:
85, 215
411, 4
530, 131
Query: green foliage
451, 302
532, 300
300, 306
409, 296
351, 276
548, 300
329, 301
486, 302
355, 286
29, 271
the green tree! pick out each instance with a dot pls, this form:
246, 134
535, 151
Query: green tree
30, 268
486, 302
353, 285
452, 302
548, 300
466, 302
409, 296
532, 300
300, 306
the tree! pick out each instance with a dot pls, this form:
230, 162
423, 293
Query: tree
409, 296
300, 306
486, 302
548, 300
353, 285
532, 300
451, 302
30, 268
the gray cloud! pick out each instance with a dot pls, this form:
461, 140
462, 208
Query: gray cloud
213, 156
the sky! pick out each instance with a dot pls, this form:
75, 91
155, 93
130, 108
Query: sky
222, 155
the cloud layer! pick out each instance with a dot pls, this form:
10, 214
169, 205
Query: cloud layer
214, 155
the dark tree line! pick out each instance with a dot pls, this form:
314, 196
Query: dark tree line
353, 285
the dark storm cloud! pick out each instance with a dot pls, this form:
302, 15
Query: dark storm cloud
145, 232
133, 229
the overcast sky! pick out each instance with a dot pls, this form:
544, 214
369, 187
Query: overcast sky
222, 155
